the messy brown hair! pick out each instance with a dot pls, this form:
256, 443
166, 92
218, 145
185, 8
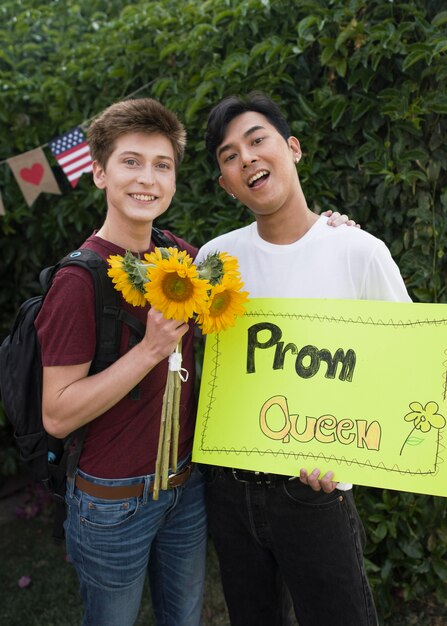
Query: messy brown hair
140, 115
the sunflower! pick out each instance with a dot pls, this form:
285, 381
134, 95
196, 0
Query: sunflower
216, 265
230, 264
174, 287
160, 254
226, 301
128, 275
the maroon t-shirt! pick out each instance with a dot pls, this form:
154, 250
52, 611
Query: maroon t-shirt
123, 441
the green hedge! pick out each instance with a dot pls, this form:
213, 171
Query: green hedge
364, 86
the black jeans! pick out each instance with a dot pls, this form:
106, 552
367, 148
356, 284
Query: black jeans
268, 536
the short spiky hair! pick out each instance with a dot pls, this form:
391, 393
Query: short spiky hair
233, 106
141, 115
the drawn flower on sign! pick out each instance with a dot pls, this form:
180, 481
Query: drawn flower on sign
424, 418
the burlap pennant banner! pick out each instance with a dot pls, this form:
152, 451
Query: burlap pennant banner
33, 174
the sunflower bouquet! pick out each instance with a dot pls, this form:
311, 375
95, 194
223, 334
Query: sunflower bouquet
210, 293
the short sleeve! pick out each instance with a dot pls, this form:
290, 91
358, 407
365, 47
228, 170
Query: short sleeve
66, 324
383, 280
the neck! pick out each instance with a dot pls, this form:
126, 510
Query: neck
285, 231
134, 237
288, 224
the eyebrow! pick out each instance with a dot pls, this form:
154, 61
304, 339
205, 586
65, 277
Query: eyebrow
247, 133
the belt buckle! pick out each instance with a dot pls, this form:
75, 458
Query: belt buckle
259, 478
172, 476
234, 472
180, 472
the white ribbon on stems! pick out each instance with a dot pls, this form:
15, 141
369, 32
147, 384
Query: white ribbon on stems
169, 424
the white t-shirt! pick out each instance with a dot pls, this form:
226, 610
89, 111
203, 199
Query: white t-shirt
341, 263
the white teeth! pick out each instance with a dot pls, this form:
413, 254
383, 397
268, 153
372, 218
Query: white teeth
142, 197
256, 176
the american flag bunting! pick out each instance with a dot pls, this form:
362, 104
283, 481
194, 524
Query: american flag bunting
73, 154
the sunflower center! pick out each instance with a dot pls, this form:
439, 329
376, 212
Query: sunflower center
220, 302
177, 288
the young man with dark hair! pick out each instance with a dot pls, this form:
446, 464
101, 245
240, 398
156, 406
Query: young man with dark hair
116, 533
273, 530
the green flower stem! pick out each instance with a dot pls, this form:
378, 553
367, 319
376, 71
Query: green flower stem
169, 393
412, 431
161, 437
175, 420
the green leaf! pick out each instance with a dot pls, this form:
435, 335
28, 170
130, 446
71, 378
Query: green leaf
338, 110
306, 27
414, 57
309, 111
414, 441
327, 53
423, 295
440, 567
341, 65
440, 19
412, 549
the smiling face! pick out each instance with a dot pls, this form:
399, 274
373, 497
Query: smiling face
257, 165
139, 179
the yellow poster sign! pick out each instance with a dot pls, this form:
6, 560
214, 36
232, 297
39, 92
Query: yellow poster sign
356, 387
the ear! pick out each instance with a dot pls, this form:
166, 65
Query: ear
223, 184
295, 148
99, 175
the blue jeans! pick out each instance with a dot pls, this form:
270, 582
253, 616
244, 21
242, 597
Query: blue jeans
274, 538
114, 543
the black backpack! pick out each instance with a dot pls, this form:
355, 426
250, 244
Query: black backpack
51, 460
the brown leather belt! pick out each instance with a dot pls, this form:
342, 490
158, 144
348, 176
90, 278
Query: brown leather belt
119, 492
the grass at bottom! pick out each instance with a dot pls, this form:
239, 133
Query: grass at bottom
52, 597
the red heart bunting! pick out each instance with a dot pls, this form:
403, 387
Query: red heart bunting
32, 174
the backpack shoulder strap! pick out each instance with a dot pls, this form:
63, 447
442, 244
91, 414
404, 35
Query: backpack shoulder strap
161, 240
108, 313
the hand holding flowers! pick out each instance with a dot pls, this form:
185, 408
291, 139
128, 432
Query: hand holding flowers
210, 293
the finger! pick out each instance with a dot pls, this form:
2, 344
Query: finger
158, 316
338, 220
327, 213
183, 328
303, 476
333, 218
341, 219
313, 481
327, 484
